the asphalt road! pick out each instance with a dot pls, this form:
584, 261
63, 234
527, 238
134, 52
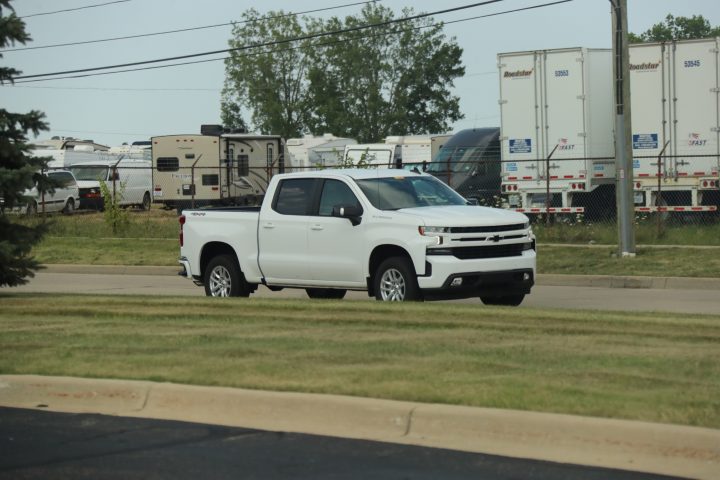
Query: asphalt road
44, 445
567, 297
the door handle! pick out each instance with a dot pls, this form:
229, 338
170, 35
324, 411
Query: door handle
269, 225
316, 227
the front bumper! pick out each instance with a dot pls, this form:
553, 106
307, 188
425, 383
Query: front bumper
447, 276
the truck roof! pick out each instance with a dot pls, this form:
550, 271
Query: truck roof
357, 173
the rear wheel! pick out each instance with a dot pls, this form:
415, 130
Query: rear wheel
395, 281
326, 293
223, 278
508, 300
69, 208
145, 205
32, 208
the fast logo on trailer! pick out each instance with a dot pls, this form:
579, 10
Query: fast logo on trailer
694, 140
564, 145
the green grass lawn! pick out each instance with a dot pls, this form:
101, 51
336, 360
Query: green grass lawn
654, 367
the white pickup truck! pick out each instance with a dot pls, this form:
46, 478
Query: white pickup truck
396, 234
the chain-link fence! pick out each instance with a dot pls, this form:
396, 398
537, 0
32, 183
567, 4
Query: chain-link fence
576, 202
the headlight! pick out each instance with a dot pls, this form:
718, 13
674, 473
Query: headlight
432, 231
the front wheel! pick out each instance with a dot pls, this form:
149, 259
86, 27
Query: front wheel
223, 278
507, 300
395, 281
326, 293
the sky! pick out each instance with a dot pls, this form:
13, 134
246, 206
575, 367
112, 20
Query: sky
125, 107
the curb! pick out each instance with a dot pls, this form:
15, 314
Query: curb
543, 279
627, 445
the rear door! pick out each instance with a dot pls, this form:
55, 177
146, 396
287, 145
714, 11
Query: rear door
282, 232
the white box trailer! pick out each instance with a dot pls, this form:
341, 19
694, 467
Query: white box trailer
676, 107
397, 151
556, 104
214, 169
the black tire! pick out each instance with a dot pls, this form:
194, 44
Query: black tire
69, 207
223, 278
32, 209
326, 293
506, 300
395, 281
146, 202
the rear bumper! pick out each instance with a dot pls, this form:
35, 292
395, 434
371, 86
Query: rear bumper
185, 264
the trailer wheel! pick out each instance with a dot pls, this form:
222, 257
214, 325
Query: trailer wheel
507, 300
395, 281
223, 278
326, 293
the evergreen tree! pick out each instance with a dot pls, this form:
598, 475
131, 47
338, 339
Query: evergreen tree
18, 171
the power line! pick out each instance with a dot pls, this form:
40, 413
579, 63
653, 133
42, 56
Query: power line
74, 9
190, 29
267, 44
325, 44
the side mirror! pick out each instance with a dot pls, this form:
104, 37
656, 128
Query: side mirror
351, 212
472, 201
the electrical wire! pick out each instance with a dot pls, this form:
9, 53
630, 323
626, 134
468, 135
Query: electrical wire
266, 44
74, 9
295, 48
181, 30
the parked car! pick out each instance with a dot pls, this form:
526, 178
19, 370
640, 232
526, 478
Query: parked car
65, 198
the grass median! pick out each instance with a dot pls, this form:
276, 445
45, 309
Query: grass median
654, 367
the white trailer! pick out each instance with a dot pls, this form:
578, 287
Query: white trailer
397, 151
676, 113
557, 122
214, 168
313, 152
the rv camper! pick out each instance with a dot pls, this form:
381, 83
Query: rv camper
214, 168
312, 152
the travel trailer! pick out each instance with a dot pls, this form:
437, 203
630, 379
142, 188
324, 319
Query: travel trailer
214, 168
313, 152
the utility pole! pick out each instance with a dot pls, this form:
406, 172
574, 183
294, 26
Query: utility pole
623, 131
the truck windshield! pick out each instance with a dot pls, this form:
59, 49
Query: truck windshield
90, 172
394, 193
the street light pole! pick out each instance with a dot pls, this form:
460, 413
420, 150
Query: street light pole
623, 131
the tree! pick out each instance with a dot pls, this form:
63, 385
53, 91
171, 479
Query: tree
17, 170
677, 28
389, 80
365, 84
231, 112
270, 81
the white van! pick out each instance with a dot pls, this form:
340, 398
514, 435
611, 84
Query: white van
64, 198
132, 180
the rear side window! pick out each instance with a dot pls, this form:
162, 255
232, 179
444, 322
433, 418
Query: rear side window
295, 196
64, 179
168, 164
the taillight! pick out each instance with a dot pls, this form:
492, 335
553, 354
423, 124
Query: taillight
181, 219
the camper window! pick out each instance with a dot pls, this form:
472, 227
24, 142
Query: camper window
168, 164
243, 165
210, 180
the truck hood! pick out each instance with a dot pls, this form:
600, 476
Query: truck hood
464, 216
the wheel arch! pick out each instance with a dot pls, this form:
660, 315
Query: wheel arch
379, 255
213, 249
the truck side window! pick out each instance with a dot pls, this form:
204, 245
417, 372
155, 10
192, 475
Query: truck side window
294, 196
335, 193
